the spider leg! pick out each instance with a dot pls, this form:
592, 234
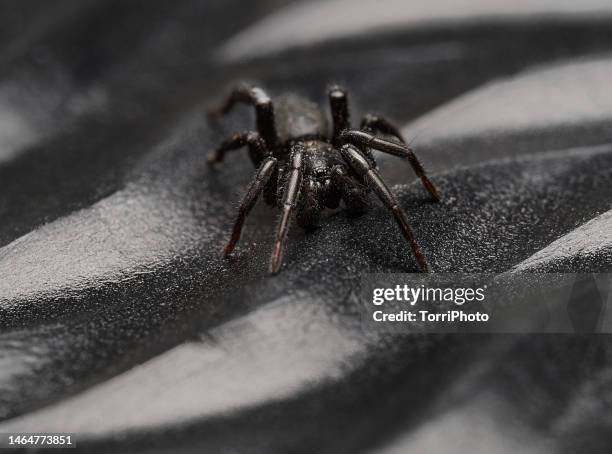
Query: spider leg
364, 139
257, 147
338, 103
264, 110
362, 167
376, 123
265, 171
291, 194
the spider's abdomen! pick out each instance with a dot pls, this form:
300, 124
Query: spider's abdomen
299, 118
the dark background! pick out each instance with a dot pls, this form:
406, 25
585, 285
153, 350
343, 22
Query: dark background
120, 322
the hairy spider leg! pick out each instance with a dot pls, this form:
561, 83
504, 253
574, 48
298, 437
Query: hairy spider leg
291, 194
264, 109
338, 102
362, 167
376, 123
265, 171
364, 139
257, 147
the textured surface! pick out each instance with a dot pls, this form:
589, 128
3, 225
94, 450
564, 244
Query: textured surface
118, 318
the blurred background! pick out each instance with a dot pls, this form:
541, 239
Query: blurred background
120, 322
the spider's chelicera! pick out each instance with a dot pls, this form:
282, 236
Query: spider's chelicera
304, 166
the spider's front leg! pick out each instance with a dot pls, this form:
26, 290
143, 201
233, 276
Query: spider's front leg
358, 162
291, 194
364, 139
264, 109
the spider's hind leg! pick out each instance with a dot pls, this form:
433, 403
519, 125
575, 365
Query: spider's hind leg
264, 109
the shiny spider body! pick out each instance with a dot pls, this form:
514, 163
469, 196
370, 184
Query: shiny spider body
306, 164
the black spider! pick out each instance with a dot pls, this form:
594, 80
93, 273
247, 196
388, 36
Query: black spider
304, 167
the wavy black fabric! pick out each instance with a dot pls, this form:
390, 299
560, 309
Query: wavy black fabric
119, 319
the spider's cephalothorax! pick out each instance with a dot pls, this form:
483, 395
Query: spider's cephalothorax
304, 166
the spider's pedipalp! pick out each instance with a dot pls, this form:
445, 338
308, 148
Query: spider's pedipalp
365, 139
362, 167
310, 207
264, 109
354, 194
265, 171
291, 194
